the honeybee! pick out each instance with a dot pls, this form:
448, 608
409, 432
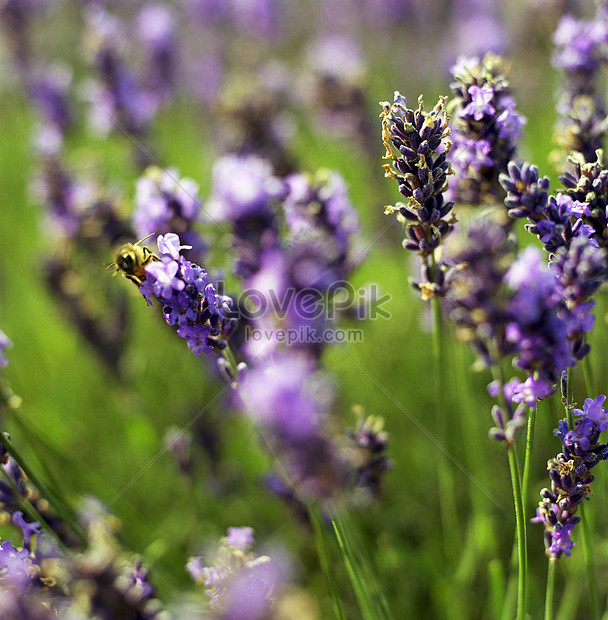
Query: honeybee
131, 260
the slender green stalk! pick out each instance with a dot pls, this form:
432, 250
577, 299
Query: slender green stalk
550, 588
525, 484
363, 579
528, 456
521, 535
354, 572
447, 499
588, 374
53, 500
323, 552
520, 515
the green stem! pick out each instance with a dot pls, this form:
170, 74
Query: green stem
521, 535
323, 551
550, 589
528, 456
57, 504
588, 374
447, 499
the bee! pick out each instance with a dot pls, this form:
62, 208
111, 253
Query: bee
131, 260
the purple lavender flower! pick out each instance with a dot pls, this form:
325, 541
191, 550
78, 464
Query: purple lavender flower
240, 584
244, 192
476, 294
240, 538
319, 206
336, 92
17, 569
368, 456
290, 398
580, 53
288, 408
580, 269
165, 203
156, 29
5, 343
16, 18
48, 90
587, 187
189, 299
571, 477
485, 127
417, 144
557, 220
537, 329
117, 97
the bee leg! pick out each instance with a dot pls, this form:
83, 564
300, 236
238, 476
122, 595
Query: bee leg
133, 278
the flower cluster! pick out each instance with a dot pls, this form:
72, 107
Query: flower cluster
189, 299
322, 224
43, 581
239, 584
516, 309
253, 117
290, 398
571, 477
244, 192
485, 127
165, 203
317, 250
5, 343
118, 100
417, 143
572, 227
368, 455
581, 52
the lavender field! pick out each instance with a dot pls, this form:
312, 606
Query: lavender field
302, 309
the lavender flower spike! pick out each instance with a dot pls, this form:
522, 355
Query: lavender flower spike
570, 475
189, 299
417, 144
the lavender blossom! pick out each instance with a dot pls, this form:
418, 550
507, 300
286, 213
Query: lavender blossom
570, 476
118, 100
48, 90
587, 186
241, 585
416, 142
244, 192
513, 311
288, 397
581, 54
165, 203
5, 343
254, 118
580, 269
485, 127
336, 89
189, 299
537, 327
156, 30
317, 207
368, 456
556, 220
